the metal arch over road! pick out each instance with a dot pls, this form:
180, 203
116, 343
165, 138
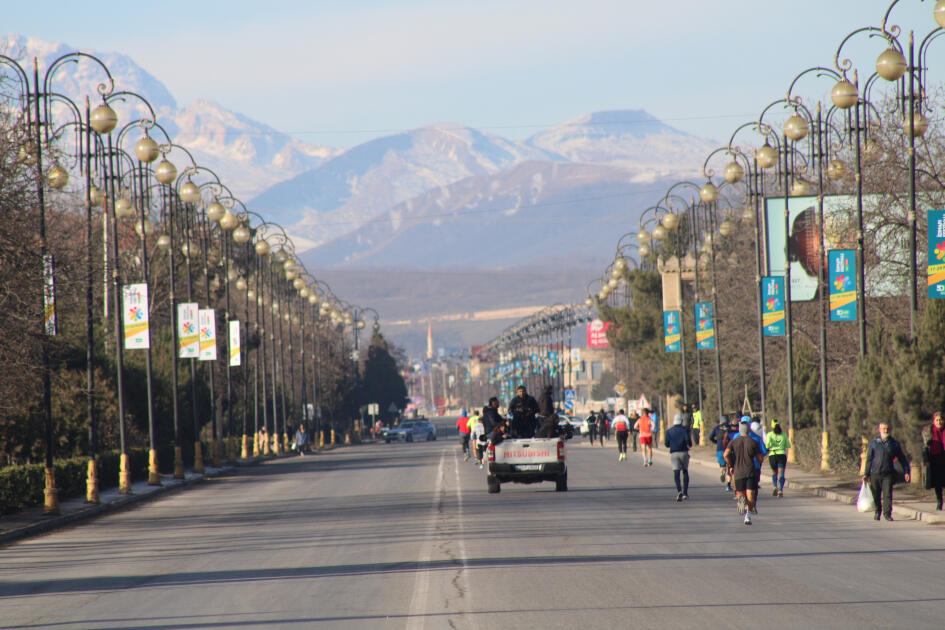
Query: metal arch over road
405, 536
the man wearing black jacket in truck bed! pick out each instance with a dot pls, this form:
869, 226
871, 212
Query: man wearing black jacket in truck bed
523, 409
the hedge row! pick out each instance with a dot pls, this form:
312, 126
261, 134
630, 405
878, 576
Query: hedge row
23, 487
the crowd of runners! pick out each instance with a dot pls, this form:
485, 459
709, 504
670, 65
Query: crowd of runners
742, 446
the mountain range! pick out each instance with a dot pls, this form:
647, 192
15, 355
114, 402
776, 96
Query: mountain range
249, 156
433, 199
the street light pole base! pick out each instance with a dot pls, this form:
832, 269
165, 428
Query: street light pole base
792, 452
154, 477
51, 504
825, 451
178, 463
91, 483
198, 458
124, 475
244, 452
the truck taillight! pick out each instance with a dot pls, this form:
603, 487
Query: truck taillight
491, 453
560, 450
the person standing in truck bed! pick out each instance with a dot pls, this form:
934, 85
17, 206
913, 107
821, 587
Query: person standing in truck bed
523, 409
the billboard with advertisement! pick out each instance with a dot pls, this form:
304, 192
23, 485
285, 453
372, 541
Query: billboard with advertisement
803, 241
597, 334
804, 249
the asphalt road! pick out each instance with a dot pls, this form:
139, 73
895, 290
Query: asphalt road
405, 536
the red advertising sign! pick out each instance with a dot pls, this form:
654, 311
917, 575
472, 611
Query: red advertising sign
597, 334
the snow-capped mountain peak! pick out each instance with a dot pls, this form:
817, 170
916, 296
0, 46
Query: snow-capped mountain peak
632, 138
248, 155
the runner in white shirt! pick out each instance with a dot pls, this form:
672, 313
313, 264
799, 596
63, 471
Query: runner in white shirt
621, 425
479, 447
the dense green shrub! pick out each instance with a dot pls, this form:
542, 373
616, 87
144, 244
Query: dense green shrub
844, 451
23, 487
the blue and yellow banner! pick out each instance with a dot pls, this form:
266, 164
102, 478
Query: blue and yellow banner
841, 267
705, 326
936, 254
772, 306
672, 333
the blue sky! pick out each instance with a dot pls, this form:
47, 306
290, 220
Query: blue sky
340, 73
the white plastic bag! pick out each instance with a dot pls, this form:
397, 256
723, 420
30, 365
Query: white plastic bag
864, 502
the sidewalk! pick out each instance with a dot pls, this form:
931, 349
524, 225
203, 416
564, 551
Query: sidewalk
819, 484
32, 521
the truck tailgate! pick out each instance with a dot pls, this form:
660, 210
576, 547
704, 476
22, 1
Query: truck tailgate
527, 451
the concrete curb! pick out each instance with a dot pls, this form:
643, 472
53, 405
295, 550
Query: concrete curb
142, 493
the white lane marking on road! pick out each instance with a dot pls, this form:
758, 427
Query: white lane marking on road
461, 543
421, 584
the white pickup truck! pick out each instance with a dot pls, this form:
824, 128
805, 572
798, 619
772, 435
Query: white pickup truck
527, 460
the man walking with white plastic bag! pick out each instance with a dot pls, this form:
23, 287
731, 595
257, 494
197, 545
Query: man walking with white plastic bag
885, 465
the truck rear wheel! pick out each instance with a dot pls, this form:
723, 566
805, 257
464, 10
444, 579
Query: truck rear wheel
561, 483
494, 486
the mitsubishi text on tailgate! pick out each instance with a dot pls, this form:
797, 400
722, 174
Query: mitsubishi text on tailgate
527, 460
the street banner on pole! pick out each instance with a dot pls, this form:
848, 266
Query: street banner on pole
234, 342
49, 295
134, 304
705, 326
207, 323
597, 334
672, 335
936, 254
841, 268
187, 338
772, 306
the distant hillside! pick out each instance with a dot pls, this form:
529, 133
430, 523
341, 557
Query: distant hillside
369, 179
555, 215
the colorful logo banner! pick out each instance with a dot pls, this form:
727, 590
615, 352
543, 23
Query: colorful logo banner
49, 295
235, 343
188, 339
936, 254
597, 334
772, 306
134, 304
672, 334
705, 326
207, 323
841, 266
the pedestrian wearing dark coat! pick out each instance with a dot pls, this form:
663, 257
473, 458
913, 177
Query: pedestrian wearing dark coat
885, 465
934, 456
